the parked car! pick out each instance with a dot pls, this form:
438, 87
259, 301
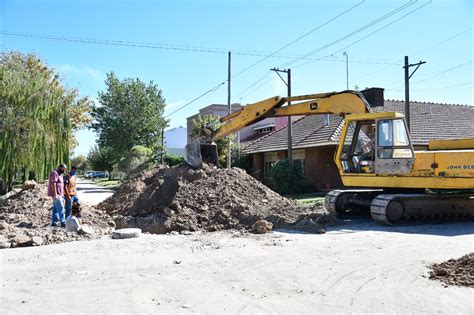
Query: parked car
95, 174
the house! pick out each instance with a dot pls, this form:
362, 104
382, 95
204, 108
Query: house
247, 134
175, 140
315, 138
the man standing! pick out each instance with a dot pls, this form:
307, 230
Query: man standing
55, 191
70, 191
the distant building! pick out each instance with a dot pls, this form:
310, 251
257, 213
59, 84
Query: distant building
175, 140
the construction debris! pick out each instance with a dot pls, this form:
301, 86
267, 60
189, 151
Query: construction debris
181, 198
455, 271
25, 220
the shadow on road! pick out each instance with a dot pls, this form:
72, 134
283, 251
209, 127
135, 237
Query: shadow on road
366, 224
441, 228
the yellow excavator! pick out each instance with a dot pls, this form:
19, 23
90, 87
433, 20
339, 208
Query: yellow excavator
374, 155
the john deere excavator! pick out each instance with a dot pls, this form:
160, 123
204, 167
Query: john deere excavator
374, 154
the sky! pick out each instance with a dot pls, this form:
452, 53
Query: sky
182, 46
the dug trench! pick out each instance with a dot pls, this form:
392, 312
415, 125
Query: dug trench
181, 198
25, 220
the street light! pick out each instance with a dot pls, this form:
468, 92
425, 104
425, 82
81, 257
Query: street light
347, 69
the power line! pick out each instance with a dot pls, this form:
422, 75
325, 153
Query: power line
368, 25
301, 37
424, 49
202, 95
383, 17
445, 71
374, 32
123, 43
437, 88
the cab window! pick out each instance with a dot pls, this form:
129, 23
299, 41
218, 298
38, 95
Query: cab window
393, 140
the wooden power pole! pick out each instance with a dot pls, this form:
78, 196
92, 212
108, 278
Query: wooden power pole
407, 86
288, 84
229, 157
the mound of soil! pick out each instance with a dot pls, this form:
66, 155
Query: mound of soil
455, 271
25, 220
184, 199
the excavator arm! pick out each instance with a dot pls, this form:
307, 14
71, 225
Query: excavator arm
338, 103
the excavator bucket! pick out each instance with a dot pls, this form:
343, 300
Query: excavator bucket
198, 153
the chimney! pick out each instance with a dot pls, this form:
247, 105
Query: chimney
374, 96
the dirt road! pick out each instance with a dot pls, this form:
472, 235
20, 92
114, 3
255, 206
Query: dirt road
90, 193
356, 267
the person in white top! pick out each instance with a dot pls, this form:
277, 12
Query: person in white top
73, 221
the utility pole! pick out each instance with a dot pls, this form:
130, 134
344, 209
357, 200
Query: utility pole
288, 84
162, 157
229, 157
407, 87
347, 69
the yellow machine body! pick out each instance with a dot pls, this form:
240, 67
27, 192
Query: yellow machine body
447, 164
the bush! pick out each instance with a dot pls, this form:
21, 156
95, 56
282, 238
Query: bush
116, 174
244, 162
173, 159
288, 177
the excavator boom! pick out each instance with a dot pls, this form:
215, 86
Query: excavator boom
339, 103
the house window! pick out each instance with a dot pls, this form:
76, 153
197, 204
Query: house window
265, 130
269, 160
299, 158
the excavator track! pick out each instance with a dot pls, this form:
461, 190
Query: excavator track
350, 203
395, 209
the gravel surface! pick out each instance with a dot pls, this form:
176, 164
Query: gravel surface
356, 267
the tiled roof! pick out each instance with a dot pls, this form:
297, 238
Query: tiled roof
428, 121
435, 121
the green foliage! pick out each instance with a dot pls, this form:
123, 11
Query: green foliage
211, 122
242, 161
38, 117
137, 156
130, 114
173, 159
288, 176
99, 159
80, 162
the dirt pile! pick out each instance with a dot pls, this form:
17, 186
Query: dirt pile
25, 220
455, 271
184, 199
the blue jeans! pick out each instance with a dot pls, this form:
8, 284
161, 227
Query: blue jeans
69, 204
58, 212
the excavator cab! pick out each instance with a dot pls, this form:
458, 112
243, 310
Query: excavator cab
380, 145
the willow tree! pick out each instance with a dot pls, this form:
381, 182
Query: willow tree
36, 124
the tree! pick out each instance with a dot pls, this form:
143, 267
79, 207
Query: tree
211, 122
137, 156
80, 162
99, 159
36, 128
130, 114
